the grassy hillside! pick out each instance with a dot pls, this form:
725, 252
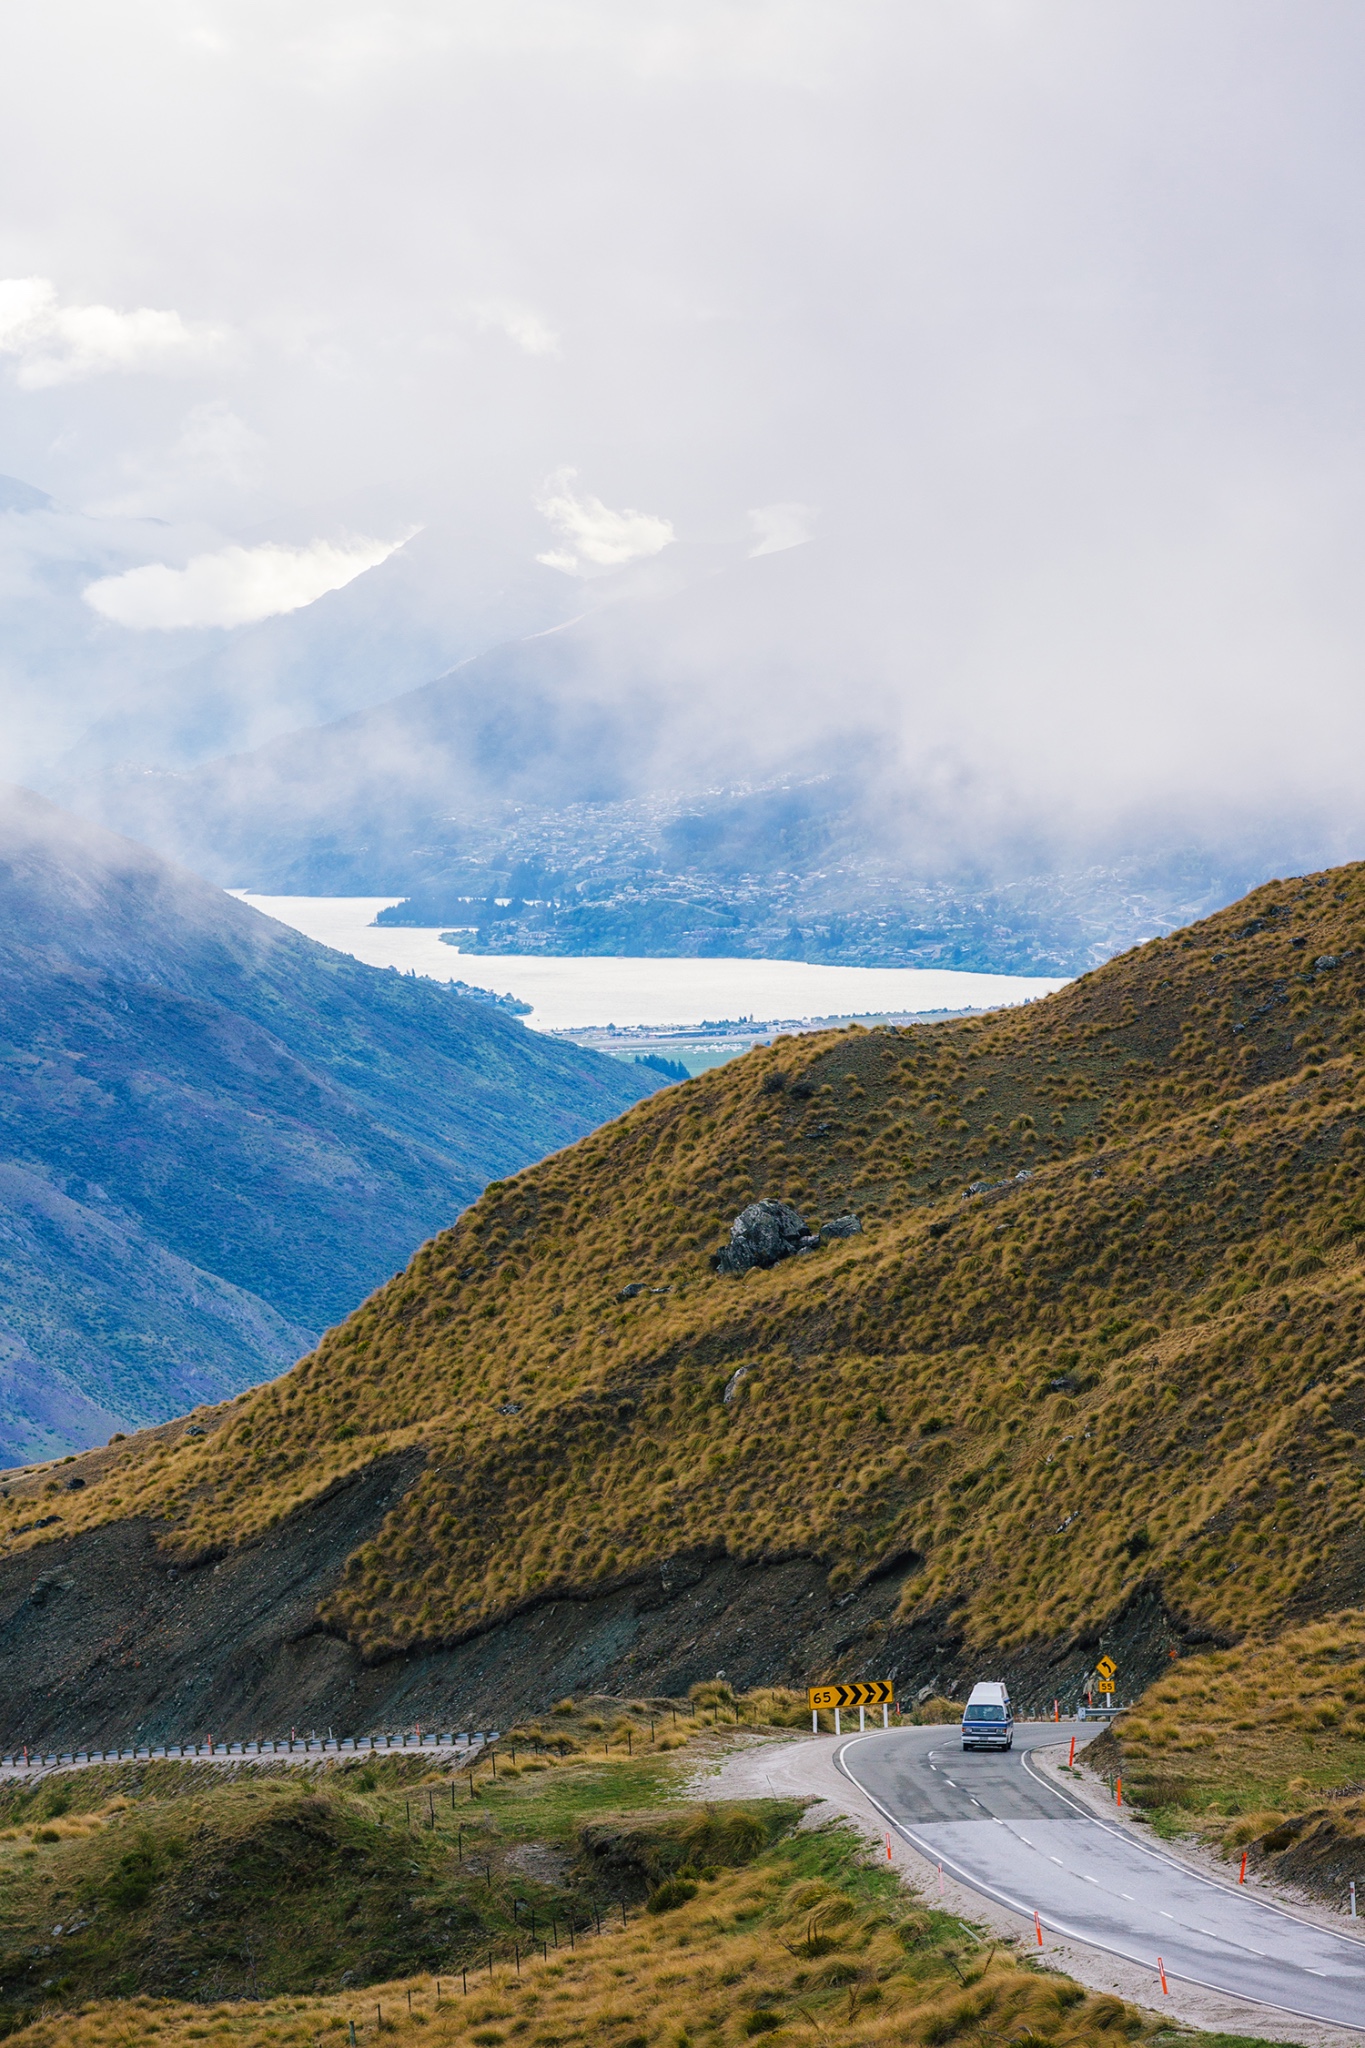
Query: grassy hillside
168, 1904
1139, 1365
216, 1136
1261, 1749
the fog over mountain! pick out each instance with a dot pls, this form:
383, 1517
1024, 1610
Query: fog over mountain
962, 400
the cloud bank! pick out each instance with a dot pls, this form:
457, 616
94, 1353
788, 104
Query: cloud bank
56, 344
1051, 310
234, 586
599, 538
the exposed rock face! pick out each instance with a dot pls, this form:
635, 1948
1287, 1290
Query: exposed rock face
766, 1232
763, 1234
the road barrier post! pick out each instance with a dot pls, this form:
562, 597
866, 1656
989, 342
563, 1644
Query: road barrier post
1118, 1789
1353, 1898
1071, 1760
1242, 1873
1038, 1927
888, 1852
1165, 1987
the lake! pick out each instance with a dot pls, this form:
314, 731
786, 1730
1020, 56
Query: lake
577, 993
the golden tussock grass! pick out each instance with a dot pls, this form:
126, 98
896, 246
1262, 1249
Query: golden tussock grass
808, 1943
1146, 1359
1237, 1743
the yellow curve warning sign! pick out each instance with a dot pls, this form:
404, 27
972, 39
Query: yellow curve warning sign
872, 1692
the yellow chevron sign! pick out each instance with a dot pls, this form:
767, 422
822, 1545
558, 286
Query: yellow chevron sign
1106, 1667
874, 1692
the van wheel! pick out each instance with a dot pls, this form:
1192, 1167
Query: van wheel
1010, 1743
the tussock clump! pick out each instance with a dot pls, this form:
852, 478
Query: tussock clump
729, 1954
1260, 1748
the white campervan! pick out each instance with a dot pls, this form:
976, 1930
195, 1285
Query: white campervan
988, 1722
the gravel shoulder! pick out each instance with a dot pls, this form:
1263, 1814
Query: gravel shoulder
805, 1768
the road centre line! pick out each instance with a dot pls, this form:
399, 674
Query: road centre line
1224, 1885
974, 1882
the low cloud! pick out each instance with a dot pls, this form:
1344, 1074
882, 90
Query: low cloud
599, 537
56, 344
522, 325
778, 527
234, 586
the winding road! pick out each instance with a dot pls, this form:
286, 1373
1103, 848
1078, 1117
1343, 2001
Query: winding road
994, 1824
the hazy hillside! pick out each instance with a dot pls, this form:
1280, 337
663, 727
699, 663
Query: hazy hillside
1127, 1384
217, 1136
498, 808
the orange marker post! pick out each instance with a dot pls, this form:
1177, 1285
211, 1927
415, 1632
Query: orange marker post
1038, 1927
1071, 1760
1242, 1873
1118, 1790
1165, 1987
888, 1848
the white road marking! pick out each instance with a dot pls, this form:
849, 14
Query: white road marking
1057, 1860
1129, 1896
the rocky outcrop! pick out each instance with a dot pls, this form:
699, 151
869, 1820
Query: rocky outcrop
762, 1235
767, 1232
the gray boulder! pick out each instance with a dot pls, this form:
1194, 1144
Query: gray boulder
840, 1226
761, 1235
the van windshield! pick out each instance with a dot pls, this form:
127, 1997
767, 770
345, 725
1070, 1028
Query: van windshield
985, 1713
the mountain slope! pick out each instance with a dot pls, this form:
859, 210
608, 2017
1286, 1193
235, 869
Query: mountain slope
217, 1136
1127, 1383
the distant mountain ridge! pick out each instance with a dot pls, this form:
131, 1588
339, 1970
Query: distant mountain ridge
216, 1135
510, 799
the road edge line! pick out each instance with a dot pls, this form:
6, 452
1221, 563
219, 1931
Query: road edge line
1056, 1927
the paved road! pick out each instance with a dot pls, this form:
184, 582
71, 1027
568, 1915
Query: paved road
993, 1823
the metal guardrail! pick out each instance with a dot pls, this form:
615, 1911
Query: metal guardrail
23, 1760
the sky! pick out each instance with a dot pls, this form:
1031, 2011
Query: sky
1036, 328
